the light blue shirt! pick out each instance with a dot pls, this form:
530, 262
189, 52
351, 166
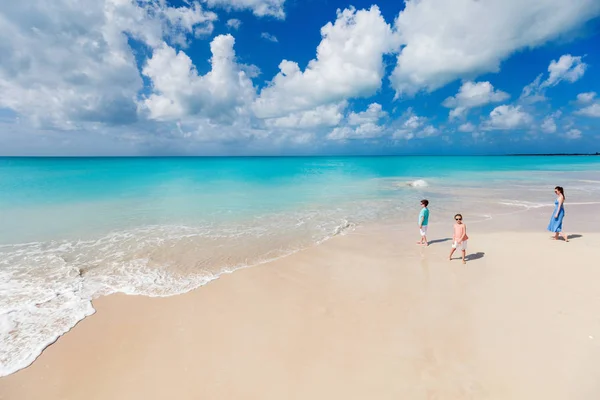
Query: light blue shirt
424, 215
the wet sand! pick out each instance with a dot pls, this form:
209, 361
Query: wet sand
368, 315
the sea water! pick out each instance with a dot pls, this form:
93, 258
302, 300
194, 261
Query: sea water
74, 229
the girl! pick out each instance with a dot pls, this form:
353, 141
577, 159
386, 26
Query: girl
459, 238
556, 220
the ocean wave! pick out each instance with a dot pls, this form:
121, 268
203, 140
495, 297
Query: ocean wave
530, 205
588, 181
524, 204
48, 287
418, 183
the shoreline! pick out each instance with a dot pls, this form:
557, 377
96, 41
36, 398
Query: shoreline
503, 222
345, 288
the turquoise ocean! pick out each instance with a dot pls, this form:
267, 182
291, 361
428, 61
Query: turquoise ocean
74, 229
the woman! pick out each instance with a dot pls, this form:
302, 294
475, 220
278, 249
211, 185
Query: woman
556, 220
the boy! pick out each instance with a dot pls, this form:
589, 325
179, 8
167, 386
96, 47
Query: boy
459, 238
423, 222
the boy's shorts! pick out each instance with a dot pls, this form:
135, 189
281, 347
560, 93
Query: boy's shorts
423, 230
460, 246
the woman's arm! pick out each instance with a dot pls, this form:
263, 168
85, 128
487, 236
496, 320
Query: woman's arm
561, 200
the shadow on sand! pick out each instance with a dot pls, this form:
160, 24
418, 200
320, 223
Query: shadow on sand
475, 256
575, 236
439, 241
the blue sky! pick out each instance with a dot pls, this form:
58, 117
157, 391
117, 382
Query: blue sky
285, 77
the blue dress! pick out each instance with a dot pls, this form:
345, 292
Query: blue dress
555, 224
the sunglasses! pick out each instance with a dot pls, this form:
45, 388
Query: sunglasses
458, 219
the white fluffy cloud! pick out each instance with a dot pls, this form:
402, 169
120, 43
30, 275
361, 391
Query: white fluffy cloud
533, 92
234, 23
471, 95
445, 40
573, 134
269, 37
322, 116
65, 62
413, 126
549, 123
567, 68
260, 8
372, 114
586, 98
222, 94
349, 64
92, 65
467, 127
507, 117
592, 110
366, 131
361, 125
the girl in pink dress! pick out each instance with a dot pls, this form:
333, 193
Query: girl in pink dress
459, 238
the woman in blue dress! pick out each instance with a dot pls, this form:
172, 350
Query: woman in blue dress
556, 220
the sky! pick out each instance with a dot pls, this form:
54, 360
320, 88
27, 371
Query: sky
299, 77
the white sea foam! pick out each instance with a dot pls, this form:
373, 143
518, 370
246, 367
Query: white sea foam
524, 204
530, 205
588, 181
48, 287
418, 183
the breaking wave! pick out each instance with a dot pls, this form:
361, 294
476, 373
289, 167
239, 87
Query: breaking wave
48, 287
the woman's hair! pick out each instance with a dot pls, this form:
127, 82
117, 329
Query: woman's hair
458, 215
561, 190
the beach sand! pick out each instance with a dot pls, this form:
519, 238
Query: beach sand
368, 315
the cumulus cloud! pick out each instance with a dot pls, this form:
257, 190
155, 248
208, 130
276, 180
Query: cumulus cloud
349, 64
590, 111
413, 126
549, 123
269, 37
585, 98
445, 40
234, 23
573, 134
260, 8
322, 116
372, 114
507, 117
66, 62
92, 65
179, 91
533, 92
567, 68
467, 127
361, 125
367, 131
471, 95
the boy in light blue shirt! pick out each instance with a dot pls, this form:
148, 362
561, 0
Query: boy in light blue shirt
423, 222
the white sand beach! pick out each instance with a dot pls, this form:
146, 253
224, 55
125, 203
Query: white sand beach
368, 315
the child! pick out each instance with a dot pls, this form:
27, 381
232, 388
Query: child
423, 222
459, 238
